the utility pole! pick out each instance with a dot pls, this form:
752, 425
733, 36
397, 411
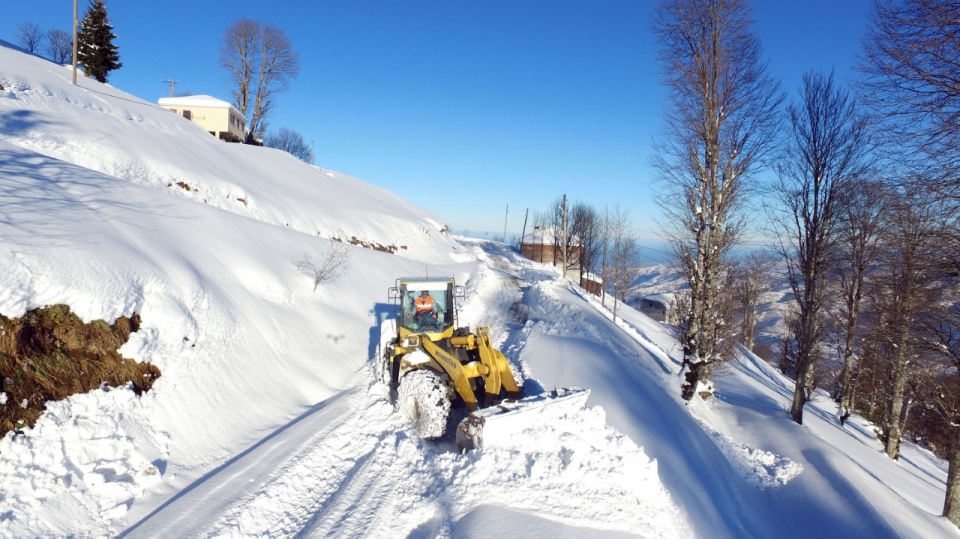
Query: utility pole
172, 82
564, 235
74, 42
523, 234
505, 223
313, 156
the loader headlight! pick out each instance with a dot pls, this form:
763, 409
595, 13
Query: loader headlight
411, 341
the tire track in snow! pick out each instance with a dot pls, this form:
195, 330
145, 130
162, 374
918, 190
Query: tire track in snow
318, 483
350, 470
275, 485
355, 469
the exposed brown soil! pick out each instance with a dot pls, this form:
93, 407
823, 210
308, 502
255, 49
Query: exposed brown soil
371, 245
49, 354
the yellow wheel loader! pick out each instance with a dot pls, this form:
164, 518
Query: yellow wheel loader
429, 363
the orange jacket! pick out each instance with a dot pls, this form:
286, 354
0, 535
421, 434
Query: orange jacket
424, 304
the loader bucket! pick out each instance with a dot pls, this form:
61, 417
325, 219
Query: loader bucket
498, 425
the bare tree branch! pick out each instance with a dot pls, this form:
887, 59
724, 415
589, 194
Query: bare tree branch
29, 36
335, 262
260, 61
749, 280
291, 142
858, 242
911, 61
828, 150
59, 46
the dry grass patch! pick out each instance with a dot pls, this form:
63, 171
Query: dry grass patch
49, 354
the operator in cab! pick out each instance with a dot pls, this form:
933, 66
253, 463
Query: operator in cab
426, 309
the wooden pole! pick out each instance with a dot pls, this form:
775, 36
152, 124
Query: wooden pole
505, 214
564, 239
523, 233
75, 42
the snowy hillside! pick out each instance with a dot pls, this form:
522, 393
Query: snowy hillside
103, 129
663, 281
267, 422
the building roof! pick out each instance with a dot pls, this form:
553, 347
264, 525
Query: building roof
205, 101
664, 298
593, 277
547, 236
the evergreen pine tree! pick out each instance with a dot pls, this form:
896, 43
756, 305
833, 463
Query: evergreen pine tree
95, 49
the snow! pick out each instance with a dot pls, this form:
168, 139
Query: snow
195, 101
267, 419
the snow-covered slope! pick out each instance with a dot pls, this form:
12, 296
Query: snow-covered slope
103, 129
266, 421
87, 218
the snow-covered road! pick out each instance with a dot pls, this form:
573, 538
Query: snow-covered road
350, 467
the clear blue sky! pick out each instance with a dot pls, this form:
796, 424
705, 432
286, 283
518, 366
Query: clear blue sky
461, 107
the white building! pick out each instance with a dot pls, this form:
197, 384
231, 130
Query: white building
218, 117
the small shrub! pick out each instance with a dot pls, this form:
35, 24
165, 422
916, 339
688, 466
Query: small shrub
333, 265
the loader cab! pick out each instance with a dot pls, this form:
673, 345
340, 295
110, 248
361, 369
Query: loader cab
440, 293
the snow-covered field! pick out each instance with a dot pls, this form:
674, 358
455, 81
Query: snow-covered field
267, 421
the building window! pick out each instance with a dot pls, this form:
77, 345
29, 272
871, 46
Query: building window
186, 114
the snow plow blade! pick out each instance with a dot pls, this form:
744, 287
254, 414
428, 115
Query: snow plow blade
497, 425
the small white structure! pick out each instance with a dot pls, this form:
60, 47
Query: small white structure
218, 117
656, 306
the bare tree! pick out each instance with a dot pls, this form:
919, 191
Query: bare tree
604, 234
260, 61
943, 332
932, 391
29, 36
59, 46
238, 56
748, 282
913, 80
291, 142
910, 286
621, 269
858, 234
335, 262
827, 151
720, 124
584, 230
562, 240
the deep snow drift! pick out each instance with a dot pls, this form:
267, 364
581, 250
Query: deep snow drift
267, 420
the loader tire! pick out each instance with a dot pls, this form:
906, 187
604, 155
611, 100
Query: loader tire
424, 401
384, 365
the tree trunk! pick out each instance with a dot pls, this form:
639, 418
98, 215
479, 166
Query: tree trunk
846, 373
807, 337
691, 380
893, 427
951, 504
802, 388
749, 327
